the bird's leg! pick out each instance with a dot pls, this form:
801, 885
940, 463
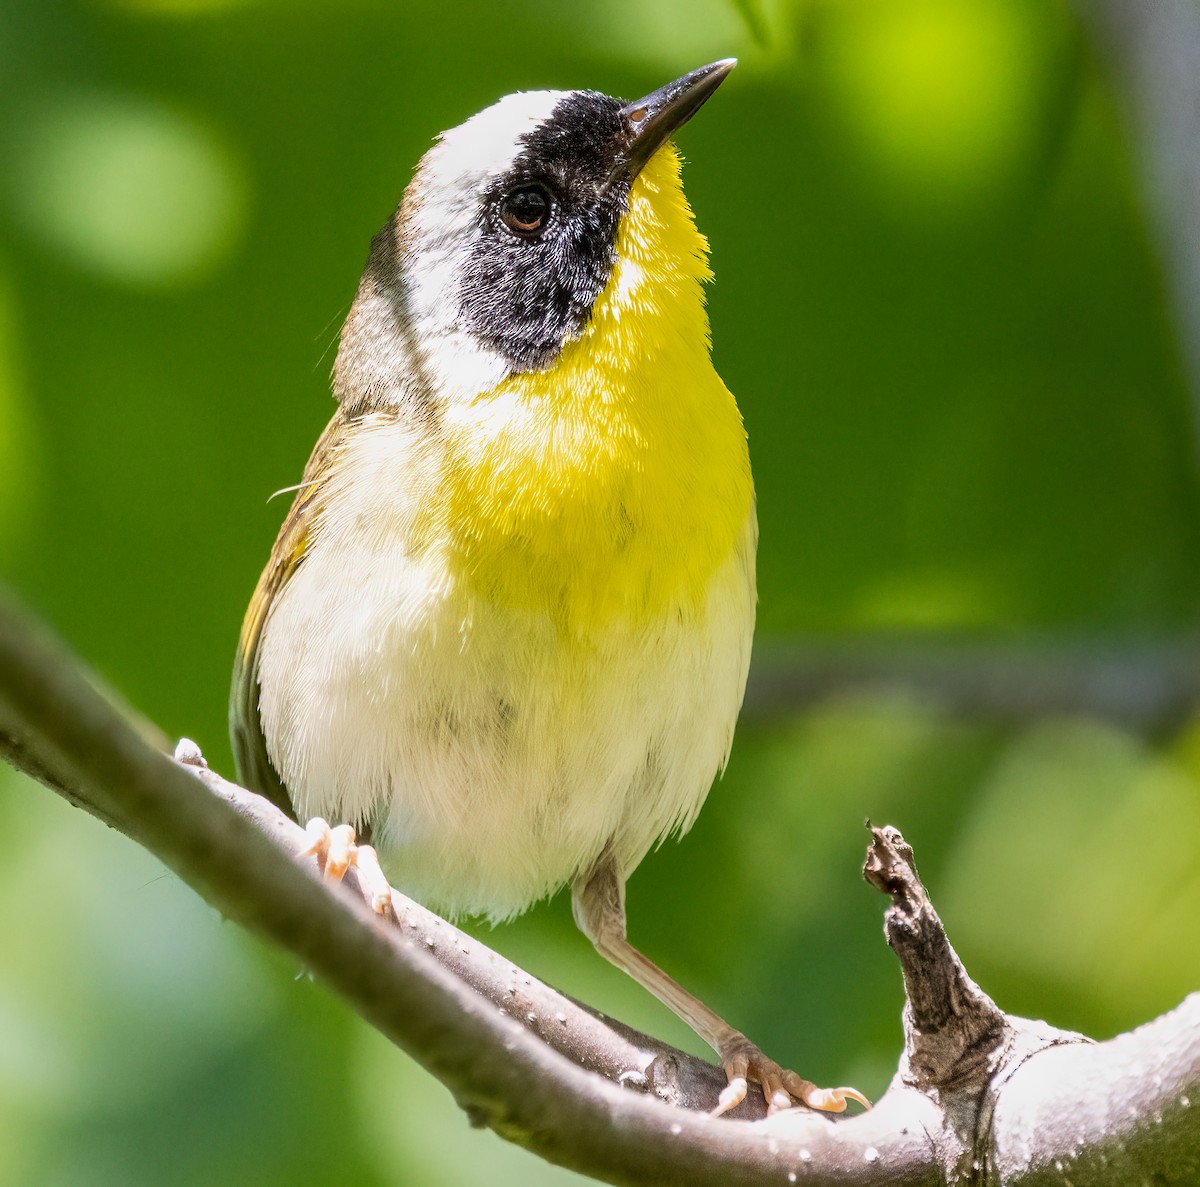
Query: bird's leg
336, 851
598, 901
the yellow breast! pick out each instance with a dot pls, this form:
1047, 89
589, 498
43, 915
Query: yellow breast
614, 483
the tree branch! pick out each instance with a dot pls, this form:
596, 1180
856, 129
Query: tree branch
1143, 684
970, 1102
1025, 1103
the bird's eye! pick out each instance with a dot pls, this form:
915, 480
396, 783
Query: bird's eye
526, 211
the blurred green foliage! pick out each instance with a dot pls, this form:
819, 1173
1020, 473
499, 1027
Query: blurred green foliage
938, 305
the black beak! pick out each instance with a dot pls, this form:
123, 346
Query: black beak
650, 122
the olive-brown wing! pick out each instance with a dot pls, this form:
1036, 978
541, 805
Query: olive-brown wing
254, 766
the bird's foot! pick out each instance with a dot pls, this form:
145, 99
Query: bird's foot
744, 1061
337, 851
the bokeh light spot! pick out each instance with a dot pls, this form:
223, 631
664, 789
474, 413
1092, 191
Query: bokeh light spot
940, 98
128, 190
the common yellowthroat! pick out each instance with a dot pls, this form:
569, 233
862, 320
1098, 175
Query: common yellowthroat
506, 625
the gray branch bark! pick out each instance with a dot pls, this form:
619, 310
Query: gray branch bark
1143, 684
979, 1096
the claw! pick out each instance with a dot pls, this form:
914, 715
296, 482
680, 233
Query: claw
341, 853
336, 852
731, 1096
744, 1061
320, 836
333, 848
778, 1101
833, 1100
375, 887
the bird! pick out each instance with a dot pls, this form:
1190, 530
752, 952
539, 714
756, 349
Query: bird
505, 629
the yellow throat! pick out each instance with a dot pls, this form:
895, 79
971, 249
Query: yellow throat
613, 483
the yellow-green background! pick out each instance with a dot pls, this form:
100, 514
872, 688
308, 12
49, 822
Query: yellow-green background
938, 302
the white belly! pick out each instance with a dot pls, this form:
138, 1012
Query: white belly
495, 758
